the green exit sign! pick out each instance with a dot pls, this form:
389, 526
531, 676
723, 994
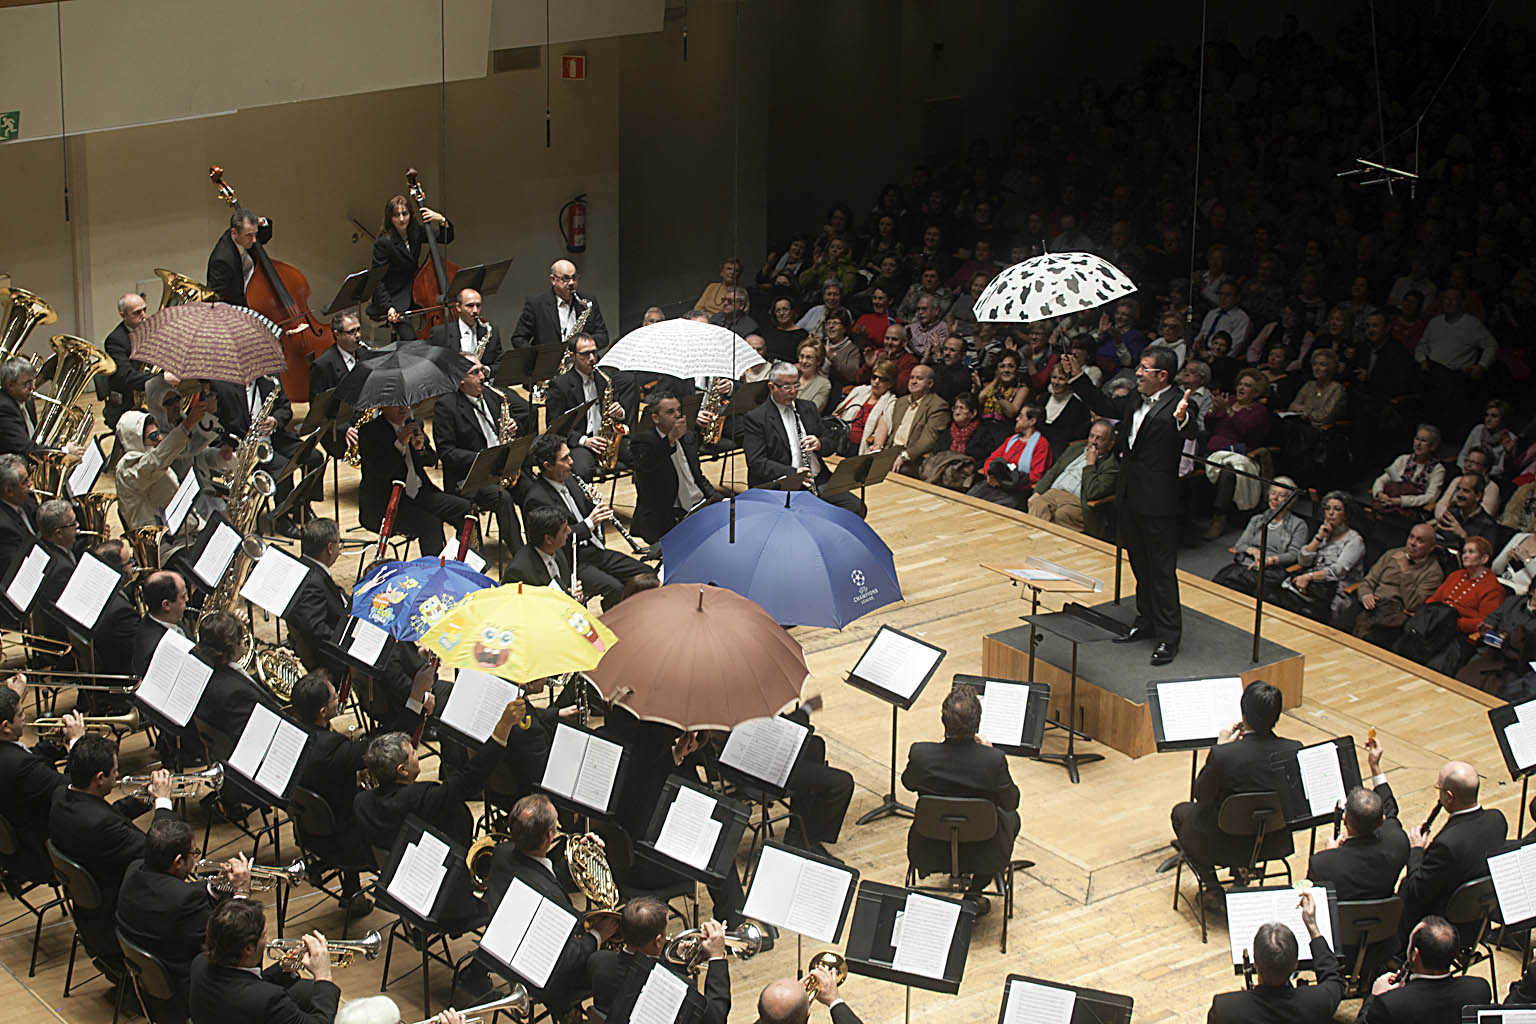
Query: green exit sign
10, 124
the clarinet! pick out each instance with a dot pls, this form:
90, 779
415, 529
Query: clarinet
1338, 818
1431, 819
806, 455
586, 489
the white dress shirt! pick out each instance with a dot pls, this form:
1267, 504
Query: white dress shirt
486, 420
468, 342
589, 393
1140, 415
688, 493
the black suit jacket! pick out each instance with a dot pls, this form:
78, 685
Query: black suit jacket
767, 444
329, 768
507, 865
382, 811
165, 915
100, 836
226, 275
116, 634
17, 531
232, 995
541, 492
14, 435
457, 434
1394, 374
130, 374
1458, 854
28, 782
446, 335
611, 971
964, 768
1427, 1001
145, 640
324, 374
528, 568
1252, 764
656, 479
382, 466
1149, 472
235, 415
1284, 1004
319, 608
227, 702
400, 259
1365, 867
539, 322
566, 393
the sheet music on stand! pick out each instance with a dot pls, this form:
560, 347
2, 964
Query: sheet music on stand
1514, 883
528, 933
909, 937
173, 683
88, 590
82, 479
583, 768
923, 933
1318, 779
1250, 909
1188, 714
180, 504
765, 749
269, 750
274, 580
896, 666
418, 876
1029, 1000
656, 997
214, 549
694, 830
21, 590
477, 702
361, 646
1509, 1013
1514, 726
1013, 712
801, 892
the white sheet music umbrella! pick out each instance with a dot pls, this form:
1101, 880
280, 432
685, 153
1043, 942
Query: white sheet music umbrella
1054, 284
683, 348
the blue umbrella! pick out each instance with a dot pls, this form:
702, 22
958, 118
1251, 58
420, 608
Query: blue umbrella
407, 598
806, 562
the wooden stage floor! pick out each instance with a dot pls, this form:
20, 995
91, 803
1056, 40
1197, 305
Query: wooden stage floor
1092, 911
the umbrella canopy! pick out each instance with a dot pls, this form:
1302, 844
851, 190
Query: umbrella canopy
412, 373
520, 633
210, 341
806, 562
699, 657
1054, 284
408, 598
683, 348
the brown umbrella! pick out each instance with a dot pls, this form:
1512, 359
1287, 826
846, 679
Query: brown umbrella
210, 341
699, 657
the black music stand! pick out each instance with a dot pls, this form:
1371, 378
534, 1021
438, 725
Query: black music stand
1075, 629
615, 792
1036, 712
733, 816
561, 424
1091, 1006
1029, 578
1298, 810
493, 464
1501, 718
484, 278
1495, 1014
746, 396
200, 545
356, 290
1288, 900
14, 569
860, 471
870, 949
529, 365
889, 804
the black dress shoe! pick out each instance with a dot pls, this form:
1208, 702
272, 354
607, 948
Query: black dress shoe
1134, 634
1164, 653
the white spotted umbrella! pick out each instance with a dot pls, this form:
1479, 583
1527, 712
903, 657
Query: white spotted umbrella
1051, 285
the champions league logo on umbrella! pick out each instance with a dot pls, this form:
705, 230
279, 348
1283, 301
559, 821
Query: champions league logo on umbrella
864, 594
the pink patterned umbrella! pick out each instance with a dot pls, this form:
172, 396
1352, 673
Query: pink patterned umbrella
210, 341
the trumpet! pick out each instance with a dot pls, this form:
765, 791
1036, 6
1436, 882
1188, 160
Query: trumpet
515, 1002
829, 960
344, 952
181, 785
263, 878
686, 948
102, 725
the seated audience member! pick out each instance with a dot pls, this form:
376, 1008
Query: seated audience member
229, 985
1290, 330
870, 327
1429, 993
733, 313
1224, 365
1408, 323
1272, 997
962, 315
788, 1000
830, 307
1038, 355
1455, 351
1078, 489
1465, 516
643, 929
1246, 759
867, 408
1120, 341
1283, 383
1236, 424
1174, 337
783, 336
845, 360
1016, 465
928, 285
712, 300
835, 265
1287, 533
28, 782
1458, 853
1227, 316
951, 376
814, 385
1411, 484
961, 447
1332, 559
1505, 648
1515, 566
965, 765
1473, 463
1005, 394
1441, 633
1396, 586
1309, 448
1493, 437
894, 347
1066, 416
917, 419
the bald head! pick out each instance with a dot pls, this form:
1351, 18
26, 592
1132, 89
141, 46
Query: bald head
1458, 786
783, 1002
562, 278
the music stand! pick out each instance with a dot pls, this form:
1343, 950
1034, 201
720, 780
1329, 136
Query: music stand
356, 290
1040, 576
782, 900
484, 278
31, 570
1249, 909
1513, 871
561, 425
1301, 811
746, 396
860, 471
495, 463
1088, 1005
894, 667
732, 816
219, 529
1509, 1013
1037, 710
530, 364
1519, 750
89, 468
305, 492
636, 982
871, 951
1076, 629
1231, 692
563, 784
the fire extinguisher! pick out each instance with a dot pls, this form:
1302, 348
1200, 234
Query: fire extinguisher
573, 224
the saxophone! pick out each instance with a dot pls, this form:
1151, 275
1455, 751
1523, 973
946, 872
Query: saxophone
506, 431
716, 395
610, 430
353, 457
537, 393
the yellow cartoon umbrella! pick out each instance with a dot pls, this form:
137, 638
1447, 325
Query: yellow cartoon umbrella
519, 633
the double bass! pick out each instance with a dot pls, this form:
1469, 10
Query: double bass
280, 292
432, 280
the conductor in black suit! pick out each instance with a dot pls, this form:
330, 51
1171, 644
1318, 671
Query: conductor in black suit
549, 317
231, 264
612, 394
643, 928
669, 482
1154, 421
783, 436
398, 250
119, 390
328, 369
1272, 1000
465, 423
465, 333
1457, 854
1247, 758
28, 782
393, 446
965, 765
1430, 993
229, 985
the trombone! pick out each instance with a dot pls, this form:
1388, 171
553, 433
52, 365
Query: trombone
686, 948
97, 725
515, 1002
48, 675
263, 878
344, 952
181, 786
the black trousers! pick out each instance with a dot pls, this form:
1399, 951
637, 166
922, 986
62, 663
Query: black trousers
1152, 542
498, 501
423, 517
847, 500
602, 572
819, 794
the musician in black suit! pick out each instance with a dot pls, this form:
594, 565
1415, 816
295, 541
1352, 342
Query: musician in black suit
116, 631
1430, 994
965, 765
1154, 421
1247, 758
465, 423
18, 409
1272, 1000
1363, 864
786, 1000
398, 249
165, 598
329, 769
384, 443
1457, 854
549, 317
18, 510
319, 604
668, 480
231, 263
784, 436
121, 390
58, 532
612, 394
546, 557
229, 985
28, 781
237, 408
231, 694
328, 369
643, 928
157, 910
464, 332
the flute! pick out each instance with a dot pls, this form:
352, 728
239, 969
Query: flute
395, 490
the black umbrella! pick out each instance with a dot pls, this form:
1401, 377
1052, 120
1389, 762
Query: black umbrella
413, 373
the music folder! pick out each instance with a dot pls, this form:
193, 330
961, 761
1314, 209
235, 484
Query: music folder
746, 396
173, 683
321, 412
484, 278
25, 576
896, 666
476, 703
656, 996
1013, 712
1029, 1000
274, 581
1514, 883
528, 933
529, 365
1318, 778
909, 937
561, 424
494, 463
268, 751
180, 504
419, 864
1514, 726
89, 588
761, 752
1250, 909
855, 471
361, 646
694, 831
82, 479
583, 770
213, 550
801, 892
1187, 714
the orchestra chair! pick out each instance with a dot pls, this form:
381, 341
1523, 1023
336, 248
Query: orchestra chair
1471, 910
1259, 815
229, 799
619, 848
423, 934
148, 976
961, 822
1362, 924
314, 829
84, 894
17, 880
762, 828
399, 545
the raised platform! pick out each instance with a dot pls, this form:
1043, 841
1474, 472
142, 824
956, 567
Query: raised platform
1112, 678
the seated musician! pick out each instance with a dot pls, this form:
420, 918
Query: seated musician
1455, 855
319, 604
18, 409
783, 436
601, 570
237, 408
329, 769
525, 857
158, 911
398, 250
1428, 992
116, 631
18, 509
58, 533
230, 264
611, 393
102, 837
643, 927
465, 423
231, 693
145, 477
229, 985
29, 780
164, 595
546, 558
1272, 998
466, 333
819, 794
668, 480
550, 316
966, 765
786, 1001
122, 390
1246, 759
328, 369
393, 446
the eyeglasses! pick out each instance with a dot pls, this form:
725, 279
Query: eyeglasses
881, 376
565, 277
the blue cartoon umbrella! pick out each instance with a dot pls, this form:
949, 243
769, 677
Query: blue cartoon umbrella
407, 598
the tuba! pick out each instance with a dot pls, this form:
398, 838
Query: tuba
181, 289
23, 313
67, 421
50, 470
92, 511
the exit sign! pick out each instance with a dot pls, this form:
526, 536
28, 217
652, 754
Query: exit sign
573, 66
10, 124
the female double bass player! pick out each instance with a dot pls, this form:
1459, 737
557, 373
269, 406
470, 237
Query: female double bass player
409, 227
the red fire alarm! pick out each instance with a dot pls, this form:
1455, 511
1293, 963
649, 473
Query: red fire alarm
573, 67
